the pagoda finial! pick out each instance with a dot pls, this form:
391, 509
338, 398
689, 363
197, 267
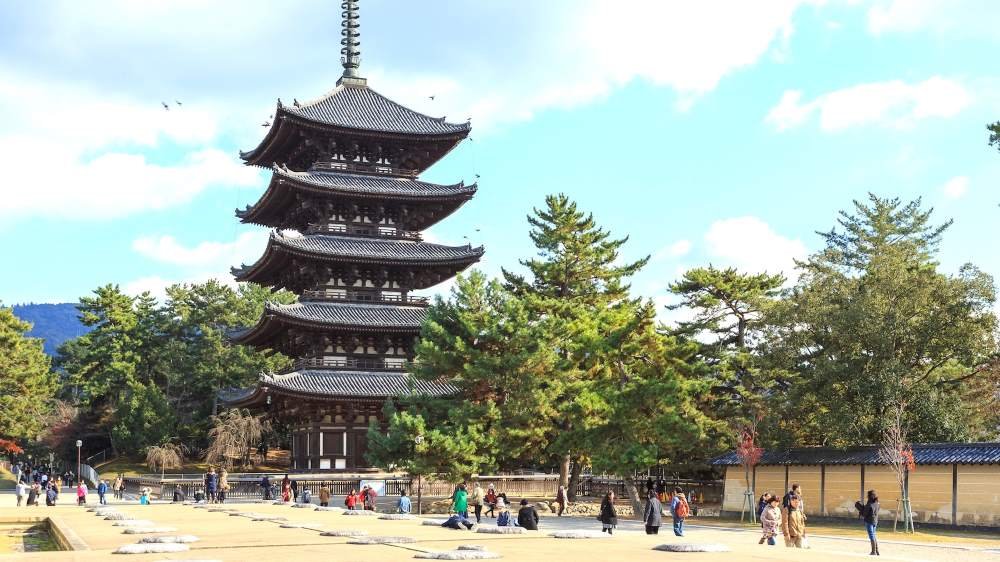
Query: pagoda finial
350, 55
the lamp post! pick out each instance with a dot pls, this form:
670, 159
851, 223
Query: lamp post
79, 444
417, 441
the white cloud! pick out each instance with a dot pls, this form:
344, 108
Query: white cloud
941, 16
750, 244
890, 104
167, 249
678, 249
86, 155
956, 187
157, 286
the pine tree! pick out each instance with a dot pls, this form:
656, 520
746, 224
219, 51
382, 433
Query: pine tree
27, 384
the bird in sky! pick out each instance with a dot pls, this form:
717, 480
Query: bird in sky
165, 106
265, 124
431, 98
178, 103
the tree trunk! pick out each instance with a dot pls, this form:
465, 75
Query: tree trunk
574, 478
420, 494
633, 497
564, 470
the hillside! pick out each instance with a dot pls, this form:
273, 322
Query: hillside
54, 323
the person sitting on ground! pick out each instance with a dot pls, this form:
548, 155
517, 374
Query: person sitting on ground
324, 495
770, 520
33, 492
178, 494
455, 521
504, 519
403, 506
144, 498
527, 516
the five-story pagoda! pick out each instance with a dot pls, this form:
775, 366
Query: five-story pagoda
347, 210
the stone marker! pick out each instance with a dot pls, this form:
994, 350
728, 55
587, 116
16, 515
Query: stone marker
458, 555
501, 530
143, 548
579, 535
396, 516
682, 547
382, 540
170, 539
344, 533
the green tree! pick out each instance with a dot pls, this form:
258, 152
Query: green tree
576, 274
994, 131
484, 342
26, 381
452, 448
873, 324
730, 317
646, 385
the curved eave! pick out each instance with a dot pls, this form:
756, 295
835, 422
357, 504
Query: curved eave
286, 125
281, 190
273, 322
277, 253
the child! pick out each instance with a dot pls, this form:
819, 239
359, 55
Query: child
351, 500
81, 494
771, 520
144, 498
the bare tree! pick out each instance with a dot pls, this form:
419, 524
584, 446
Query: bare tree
235, 436
896, 452
167, 455
749, 455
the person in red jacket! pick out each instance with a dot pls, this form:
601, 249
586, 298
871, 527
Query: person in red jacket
351, 501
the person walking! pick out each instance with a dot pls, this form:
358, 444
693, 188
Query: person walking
461, 502
477, 499
608, 516
869, 512
795, 528
211, 485
561, 500
118, 487
102, 490
491, 501
527, 516
294, 490
265, 487
762, 503
679, 510
81, 493
370, 499
770, 520
324, 495
795, 490
652, 514
223, 485
286, 489
33, 492
21, 490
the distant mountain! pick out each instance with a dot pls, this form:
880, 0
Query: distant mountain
54, 323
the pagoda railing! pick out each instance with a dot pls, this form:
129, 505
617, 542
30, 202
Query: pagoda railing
366, 298
348, 363
375, 168
378, 232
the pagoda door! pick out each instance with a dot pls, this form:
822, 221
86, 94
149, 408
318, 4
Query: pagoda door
359, 442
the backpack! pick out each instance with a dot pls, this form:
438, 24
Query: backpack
683, 509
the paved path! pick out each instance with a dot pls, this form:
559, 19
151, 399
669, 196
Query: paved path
238, 538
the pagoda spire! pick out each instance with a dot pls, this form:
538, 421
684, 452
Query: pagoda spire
350, 55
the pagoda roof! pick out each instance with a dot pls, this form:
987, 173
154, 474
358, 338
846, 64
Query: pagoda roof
359, 107
355, 110
285, 187
331, 316
351, 249
331, 384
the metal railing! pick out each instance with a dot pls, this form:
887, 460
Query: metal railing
362, 297
90, 475
365, 168
97, 458
349, 363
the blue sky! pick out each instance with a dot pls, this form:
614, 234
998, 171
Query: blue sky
722, 132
